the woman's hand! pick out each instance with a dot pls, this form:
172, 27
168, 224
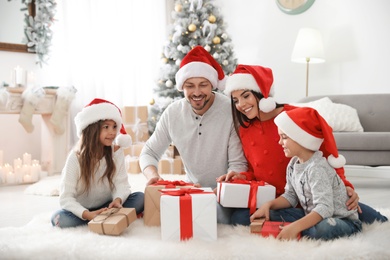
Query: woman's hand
353, 201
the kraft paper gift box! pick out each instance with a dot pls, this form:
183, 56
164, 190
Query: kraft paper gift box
244, 194
272, 228
112, 221
134, 165
130, 114
170, 166
152, 200
135, 119
188, 215
256, 225
134, 150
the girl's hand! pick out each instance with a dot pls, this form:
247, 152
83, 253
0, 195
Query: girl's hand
89, 215
116, 203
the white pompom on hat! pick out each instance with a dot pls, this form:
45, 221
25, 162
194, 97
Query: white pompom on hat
199, 63
308, 128
257, 78
100, 109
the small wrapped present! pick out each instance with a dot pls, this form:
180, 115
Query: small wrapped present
256, 225
134, 150
135, 119
112, 221
244, 194
130, 114
152, 200
170, 166
188, 213
268, 228
133, 165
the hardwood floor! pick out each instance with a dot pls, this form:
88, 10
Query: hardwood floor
17, 208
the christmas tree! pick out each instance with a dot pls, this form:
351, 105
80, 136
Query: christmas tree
196, 22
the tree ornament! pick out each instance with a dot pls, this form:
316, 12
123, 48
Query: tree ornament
164, 60
207, 48
216, 55
151, 102
212, 19
178, 8
177, 62
224, 36
225, 62
169, 83
216, 40
192, 27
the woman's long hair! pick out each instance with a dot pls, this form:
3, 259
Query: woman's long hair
240, 119
90, 152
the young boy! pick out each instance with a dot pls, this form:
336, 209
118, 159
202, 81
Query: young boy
312, 181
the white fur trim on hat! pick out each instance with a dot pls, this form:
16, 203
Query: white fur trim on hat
196, 69
336, 162
267, 104
94, 113
123, 140
240, 81
292, 130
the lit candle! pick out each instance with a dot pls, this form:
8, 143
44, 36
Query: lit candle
27, 178
18, 174
11, 178
27, 158
17, 162
19, 76
2, 175
35, 172
1, 157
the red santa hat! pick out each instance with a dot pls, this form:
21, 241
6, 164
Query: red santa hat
199, 63
308, 128
100, 109
256, 78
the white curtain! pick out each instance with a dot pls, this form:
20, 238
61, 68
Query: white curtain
108, 49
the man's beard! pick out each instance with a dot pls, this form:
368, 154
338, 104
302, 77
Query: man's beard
198, 108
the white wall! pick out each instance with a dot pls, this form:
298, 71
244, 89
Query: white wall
356, 36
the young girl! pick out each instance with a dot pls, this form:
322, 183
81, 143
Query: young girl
312, 181
251, 88
94, 176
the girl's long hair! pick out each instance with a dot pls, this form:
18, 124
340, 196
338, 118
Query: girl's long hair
90, 151
240, 119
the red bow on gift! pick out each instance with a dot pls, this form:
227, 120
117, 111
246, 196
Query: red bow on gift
172, 184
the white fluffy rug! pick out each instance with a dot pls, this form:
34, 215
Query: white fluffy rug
39, 240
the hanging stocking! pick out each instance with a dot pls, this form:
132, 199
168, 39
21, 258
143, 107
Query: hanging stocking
65, 95
31, 98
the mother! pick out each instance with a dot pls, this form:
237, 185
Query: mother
250, 88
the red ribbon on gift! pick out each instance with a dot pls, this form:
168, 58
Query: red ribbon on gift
172, 184
185, 209
254, 185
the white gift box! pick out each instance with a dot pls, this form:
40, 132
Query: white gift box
237, 195
203, 224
